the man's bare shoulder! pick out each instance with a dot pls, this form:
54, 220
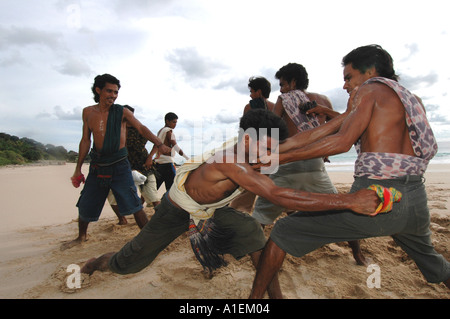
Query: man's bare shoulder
212, 170
87, 111
375, 86
376, 91
222, 158
89, 108
233, 172
227, 162
378, 97
319, 98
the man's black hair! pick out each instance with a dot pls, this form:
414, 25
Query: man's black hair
264, 119
260, 83
100, 82
294, 71
170, 116
366, 57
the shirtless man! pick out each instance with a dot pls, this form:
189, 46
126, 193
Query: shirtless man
394, 143
109, 153
201, 192
260, 89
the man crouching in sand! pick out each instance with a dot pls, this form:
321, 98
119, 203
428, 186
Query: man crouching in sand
198, 202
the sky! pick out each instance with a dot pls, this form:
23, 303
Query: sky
194, 58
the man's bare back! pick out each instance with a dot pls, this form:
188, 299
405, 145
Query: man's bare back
208, 184
386, 130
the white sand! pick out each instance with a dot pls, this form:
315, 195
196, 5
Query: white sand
38, 214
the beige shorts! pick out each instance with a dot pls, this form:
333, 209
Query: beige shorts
149, 191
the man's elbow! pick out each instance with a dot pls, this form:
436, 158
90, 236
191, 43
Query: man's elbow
343, 148
342, 144
85, 141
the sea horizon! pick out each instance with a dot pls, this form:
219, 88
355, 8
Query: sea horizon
346, 161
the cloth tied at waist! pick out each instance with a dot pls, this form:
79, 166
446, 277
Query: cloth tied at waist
104, 165
388, 196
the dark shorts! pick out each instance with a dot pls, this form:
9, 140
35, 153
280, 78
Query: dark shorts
93, 196
166, 174
408, 223
169, 222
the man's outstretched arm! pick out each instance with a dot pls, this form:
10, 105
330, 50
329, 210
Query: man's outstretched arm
145, 131
303, 139
363, 202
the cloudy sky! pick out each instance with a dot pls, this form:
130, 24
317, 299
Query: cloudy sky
194, 58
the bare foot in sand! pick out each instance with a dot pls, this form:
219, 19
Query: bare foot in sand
122, 220
100, 263
73, 243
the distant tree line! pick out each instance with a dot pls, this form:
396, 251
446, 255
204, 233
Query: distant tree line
15, 150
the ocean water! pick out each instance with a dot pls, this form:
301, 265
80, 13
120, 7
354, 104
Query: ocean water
346, 161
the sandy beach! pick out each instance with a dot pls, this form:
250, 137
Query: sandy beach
38, 214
